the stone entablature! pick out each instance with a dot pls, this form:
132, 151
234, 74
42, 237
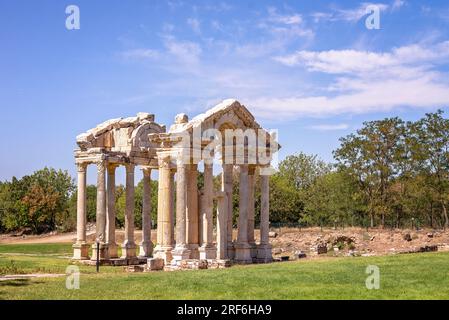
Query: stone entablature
185, 225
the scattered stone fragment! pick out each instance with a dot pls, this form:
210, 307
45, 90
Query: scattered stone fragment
154, 264
407, 237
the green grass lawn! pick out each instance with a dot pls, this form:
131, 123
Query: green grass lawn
413, 276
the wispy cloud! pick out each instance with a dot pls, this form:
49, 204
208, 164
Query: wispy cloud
350, 14
368, 81
140, 54
195, 25
397, 4
329, 127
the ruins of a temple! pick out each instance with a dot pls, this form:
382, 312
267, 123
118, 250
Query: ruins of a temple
186, 227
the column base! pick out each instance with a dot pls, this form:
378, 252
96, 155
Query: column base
81, 251
146, 249
253, 249
128, 250
163, 252
264, 254
113, 252
180, 253
103, 252
208, 252
194, 253
243, 253
231, 250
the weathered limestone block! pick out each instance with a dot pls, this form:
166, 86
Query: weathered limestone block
155, 264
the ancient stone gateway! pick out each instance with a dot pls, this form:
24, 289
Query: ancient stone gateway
227, 136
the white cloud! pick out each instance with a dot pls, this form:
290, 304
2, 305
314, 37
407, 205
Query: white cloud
397, 4
348, 15
274, 16
410, 57
194, 24
354, 15
187, 52
367, 81
329, 127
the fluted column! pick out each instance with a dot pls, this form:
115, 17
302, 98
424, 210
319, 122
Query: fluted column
110, 217
101, 213
192, 211
81, 248
146, 246
207, 250
181, 252
222, 240
129, 246
251, 211
227, 188
164, 244
264, 248
242, 248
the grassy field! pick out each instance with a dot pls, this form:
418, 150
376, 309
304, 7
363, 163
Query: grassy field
414, 276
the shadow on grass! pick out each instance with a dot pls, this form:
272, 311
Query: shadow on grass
15, 283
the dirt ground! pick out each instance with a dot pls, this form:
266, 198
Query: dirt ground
357, 241
293, 242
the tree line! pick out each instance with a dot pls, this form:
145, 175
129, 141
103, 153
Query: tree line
390, 173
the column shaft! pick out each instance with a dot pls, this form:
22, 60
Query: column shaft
242, 248
110, 221
242, 235
181, 206
222, 240
80, 248
81, 205
146, 246
264, 248
101, 214
265, 209
129, 246
207, 250
251, 211
193, 211
164, 245
101, 202
227, 188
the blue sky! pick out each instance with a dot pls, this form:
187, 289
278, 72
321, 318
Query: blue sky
310, 69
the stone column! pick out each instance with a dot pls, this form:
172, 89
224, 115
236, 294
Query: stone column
208, 250
129, 246
101, 214
192, 212
264, 248
242, 248
146, 246
251, 211
81, 248
110, 221
227, 188
222, 225
181, 252
164, 246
